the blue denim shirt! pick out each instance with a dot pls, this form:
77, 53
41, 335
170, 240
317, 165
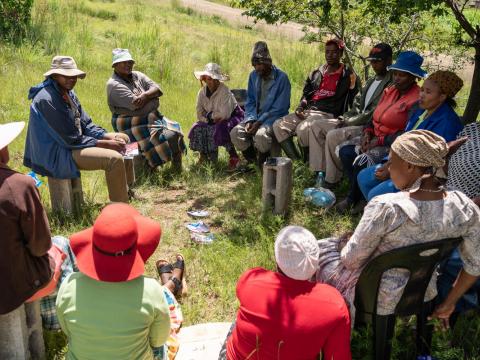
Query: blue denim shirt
52, 134
277, 103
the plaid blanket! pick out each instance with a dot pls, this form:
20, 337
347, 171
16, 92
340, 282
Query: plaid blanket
154, 134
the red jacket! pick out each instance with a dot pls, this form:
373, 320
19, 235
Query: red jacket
391, 113
283, 318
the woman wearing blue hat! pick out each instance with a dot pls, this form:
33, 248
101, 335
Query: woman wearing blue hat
388, 121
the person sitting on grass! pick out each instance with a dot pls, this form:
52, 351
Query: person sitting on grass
110, 310
423, 211
268, 99
434, 112
133, 99
62, 139
283, 314
328, 92
217, 114
388, 121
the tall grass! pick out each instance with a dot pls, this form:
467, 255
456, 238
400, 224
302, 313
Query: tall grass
168, 43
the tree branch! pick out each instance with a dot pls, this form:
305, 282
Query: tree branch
464, 23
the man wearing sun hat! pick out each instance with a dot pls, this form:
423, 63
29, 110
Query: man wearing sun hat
110, 310
62, 139
133, 99
282, 314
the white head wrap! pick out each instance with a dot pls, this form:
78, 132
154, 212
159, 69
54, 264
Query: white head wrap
297, 252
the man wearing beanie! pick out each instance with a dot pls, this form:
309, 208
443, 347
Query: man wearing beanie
268, 99
282, 314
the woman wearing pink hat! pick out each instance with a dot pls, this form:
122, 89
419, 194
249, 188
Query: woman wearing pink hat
110, 310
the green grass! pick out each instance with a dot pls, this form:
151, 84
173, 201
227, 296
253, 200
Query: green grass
169, 42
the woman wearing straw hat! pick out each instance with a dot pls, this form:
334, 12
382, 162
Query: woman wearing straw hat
133, 99
217, 114
62, 139
110, 309
422, 211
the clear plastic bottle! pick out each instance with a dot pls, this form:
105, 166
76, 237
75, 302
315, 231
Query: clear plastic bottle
320, 180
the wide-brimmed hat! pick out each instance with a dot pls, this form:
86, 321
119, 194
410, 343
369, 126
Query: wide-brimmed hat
214, 71
121, 55
118, 244
9, 131
297, 252
66, 66
410, 62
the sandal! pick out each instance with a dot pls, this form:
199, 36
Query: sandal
163, 267
180, 284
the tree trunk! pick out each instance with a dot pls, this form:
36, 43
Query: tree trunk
473, 105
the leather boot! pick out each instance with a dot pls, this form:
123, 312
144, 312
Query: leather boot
250, 154
305, 152
289, 148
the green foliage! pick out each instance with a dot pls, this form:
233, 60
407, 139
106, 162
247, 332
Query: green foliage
14, 19
168, 44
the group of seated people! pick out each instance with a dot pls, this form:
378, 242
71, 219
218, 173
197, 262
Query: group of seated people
394, 140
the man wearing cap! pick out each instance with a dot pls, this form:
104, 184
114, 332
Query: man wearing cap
328, 92
62, 139
133, 99
268, 99
24, 262
350, 124
282, 314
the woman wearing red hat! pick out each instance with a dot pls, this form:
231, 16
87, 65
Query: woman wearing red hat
110, 310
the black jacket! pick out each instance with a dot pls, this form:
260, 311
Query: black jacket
347, 87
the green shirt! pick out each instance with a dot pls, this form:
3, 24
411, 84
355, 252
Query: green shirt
420, 120
106, 320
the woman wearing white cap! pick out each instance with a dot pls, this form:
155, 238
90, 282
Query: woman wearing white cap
285, 315
217, 114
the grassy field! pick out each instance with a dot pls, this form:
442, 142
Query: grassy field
168, 43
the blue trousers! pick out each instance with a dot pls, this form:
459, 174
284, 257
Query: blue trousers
370, 186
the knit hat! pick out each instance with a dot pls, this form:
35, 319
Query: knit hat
421, 148
121, 55
260, 54
297, 252
449, 82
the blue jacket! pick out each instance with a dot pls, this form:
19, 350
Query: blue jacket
52, 134
277, 103
444, 122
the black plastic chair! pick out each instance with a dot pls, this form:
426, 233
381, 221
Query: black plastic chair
240, 96
421, 260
